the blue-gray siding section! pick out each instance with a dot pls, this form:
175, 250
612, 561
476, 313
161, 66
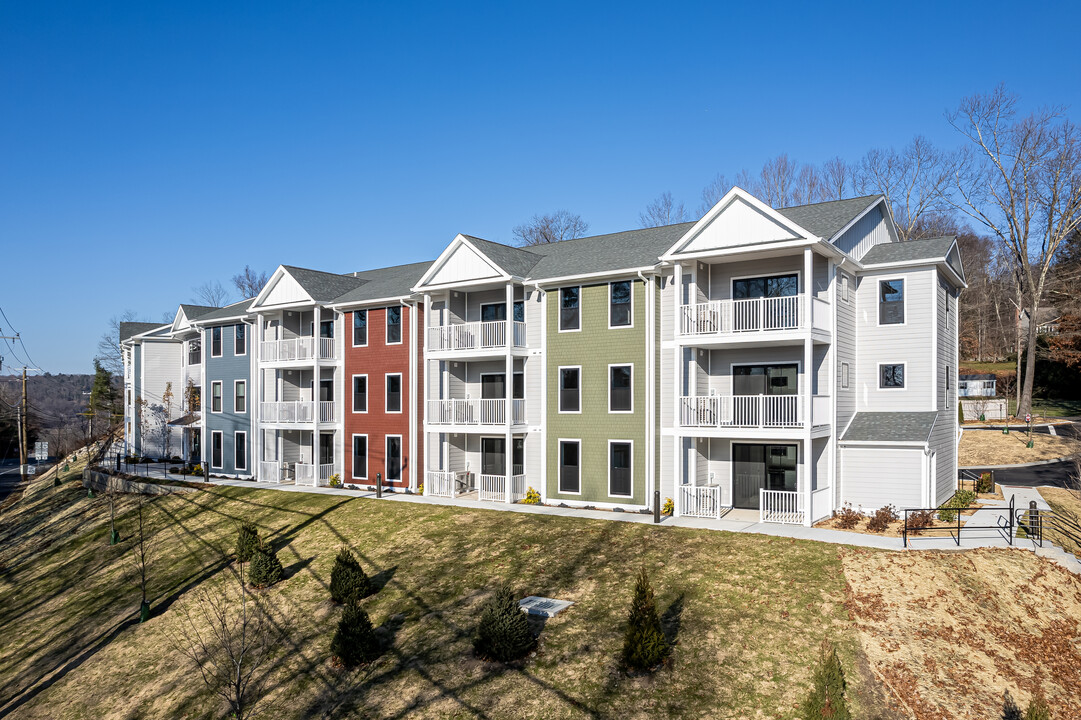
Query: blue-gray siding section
228, 369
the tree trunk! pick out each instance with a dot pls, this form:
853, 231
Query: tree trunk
1024, 404
1017, 365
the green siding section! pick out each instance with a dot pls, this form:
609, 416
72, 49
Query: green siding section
594, 348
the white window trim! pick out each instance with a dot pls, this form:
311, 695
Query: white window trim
237, 467
235, 353
353, 454
503, 304
630, 283
800, 288
221, 344
353, 394
386, 458
610, 410
559, 390
946, 390
353, 329
386, 326
559, 466
904, 373
845, 289
608, 462
559, 310
799, 371
221, 396
878, 303
386, 395
221, 435
846, 376
245, 384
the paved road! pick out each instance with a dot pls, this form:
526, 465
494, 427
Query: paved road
9, 480
1052, 474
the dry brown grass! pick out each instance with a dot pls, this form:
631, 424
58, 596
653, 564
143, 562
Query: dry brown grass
989, 447
948, 632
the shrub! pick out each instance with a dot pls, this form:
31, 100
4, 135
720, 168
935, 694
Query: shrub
354, 641
532, 497
503, 633
827, 697
348, 581
644, 645
420, 489
1010, 710
1037, 708
197, 470
882, 518
669, 507
984, 484
335, 481
847, 518
960, 500
266, 568
920, 521
247, 540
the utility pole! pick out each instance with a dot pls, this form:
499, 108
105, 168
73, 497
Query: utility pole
24, 453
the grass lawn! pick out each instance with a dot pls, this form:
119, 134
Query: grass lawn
1065, 503
990, 447
968, 367
1044, 408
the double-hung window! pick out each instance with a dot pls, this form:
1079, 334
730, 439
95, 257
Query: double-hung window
240, 450
360, 393
215, 396
891, 302
215, 342
619, 304
619, 468
360, 328
570, 389
195, 351
360, 457
570, 452
394, 325
620, 391
569, 309
240, 396
394, 393
217, 449
240, 340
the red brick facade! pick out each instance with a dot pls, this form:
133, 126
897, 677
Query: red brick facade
376, 360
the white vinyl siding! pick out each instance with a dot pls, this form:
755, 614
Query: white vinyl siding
876, 476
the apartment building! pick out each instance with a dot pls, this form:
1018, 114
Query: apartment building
785, 361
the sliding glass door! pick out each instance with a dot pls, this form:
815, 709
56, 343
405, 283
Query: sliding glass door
757, 467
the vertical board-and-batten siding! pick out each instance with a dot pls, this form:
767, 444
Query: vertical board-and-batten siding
738, 224
868, 231
463, 265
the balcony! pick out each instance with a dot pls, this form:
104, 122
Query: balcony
298, 349
298, 473
753, 318
476, 336
752, 411
490, 488
298, 411
474, 412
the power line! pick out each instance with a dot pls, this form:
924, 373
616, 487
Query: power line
29, 361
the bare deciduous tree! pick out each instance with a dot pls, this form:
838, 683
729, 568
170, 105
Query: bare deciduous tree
836, 179
211, 294
915, 181
109, 354
142, 547
248, 283
552, 227
662, 211
1021, 179
231, 641
712, 193
776, 182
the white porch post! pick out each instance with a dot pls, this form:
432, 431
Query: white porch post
508, 389
808, 386
258, 451
651, 390
316, 444
677, 454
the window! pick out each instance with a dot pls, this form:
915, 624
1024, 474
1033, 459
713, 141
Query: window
619, 304
493, 312
360, 393
770, 287
360, 328
240, 396
216, 449
891, 376
215, 342
195, 351
240, 340
215, 396
394, 393
570, 389
518, 391
844, 375
326, 328
570, 466
394, 325
569, 310
519, 311
620, 392
240, 451
947, 394
360, 457
844, 287
394, 458
891, 302
619, 468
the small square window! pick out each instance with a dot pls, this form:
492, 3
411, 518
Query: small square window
891, 376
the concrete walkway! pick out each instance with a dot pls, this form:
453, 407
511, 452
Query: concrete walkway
747, 522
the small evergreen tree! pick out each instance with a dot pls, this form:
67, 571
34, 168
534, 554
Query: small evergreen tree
348, 581
354, 641
503, 633
644, 645
827, 698
1010, 709
247, 540
266, 569
1037, 708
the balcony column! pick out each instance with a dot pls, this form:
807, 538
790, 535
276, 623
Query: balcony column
677, 440
508, 387
316, 444
420, 426
808, 385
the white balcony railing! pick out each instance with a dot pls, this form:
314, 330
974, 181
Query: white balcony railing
730, 317
490, 335
270, 471
473, 412
324, 470
328, 410
780, 506
439, 483
747, 411
492, 487
298, 348
700, 501
517, 487
297, 411
304, 473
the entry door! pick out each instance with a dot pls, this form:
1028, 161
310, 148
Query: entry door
749, 316
757, 467
518, 461
765, 380
394, 458
493, 456
326, 448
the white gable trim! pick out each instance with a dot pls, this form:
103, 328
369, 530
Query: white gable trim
180, 321
887, 215
684, 246
479, 263
265, 296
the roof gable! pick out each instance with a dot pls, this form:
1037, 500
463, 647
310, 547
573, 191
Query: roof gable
186, 313
281, 289
738, 219
827, 219
463, 262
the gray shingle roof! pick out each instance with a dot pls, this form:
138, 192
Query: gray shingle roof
929, 249
388, 282
516, 261
229, 311
131, 329
825, 219
323, 286
192, 312
890, 427
606, 253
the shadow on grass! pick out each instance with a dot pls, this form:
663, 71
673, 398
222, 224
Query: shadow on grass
671, 620
381, 579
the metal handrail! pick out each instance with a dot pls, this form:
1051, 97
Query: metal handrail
1010, 523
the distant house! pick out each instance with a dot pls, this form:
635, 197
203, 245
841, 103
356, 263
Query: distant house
1047, 321
980, 385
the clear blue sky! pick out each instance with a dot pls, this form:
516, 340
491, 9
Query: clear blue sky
149, 146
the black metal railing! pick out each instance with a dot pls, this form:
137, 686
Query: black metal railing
1038, 524
956, 527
